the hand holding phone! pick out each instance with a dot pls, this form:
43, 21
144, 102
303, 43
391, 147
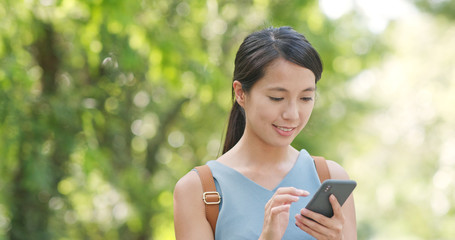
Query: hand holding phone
340, 188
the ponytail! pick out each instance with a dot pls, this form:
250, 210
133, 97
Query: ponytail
236, 126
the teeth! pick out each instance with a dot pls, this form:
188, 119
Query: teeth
284, 129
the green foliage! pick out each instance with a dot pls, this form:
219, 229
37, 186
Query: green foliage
445, 8
104, 105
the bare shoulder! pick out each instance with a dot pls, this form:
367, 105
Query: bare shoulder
189, 183
336, 170
189, 210
188, 192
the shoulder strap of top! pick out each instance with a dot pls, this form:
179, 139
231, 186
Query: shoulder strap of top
210, 196
322, 168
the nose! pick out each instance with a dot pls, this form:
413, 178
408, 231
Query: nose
291, 111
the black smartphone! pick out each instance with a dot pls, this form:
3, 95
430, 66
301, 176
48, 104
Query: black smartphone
340, 188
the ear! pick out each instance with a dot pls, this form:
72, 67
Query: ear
239, 93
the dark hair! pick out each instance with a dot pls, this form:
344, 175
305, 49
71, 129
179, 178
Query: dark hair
256, 52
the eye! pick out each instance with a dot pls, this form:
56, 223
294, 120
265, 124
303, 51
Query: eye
276, 99
307, 99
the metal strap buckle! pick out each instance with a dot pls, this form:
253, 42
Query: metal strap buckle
204, 197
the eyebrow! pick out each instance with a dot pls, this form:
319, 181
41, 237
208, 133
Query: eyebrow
280, 89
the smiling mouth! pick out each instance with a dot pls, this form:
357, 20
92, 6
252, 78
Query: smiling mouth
285, 129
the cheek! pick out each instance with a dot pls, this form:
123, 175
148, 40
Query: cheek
262, 114
260, 108
306, 113
267, 111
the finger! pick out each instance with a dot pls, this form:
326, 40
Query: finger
292, 191
318, 230
321, 219
280, 209
285, 198
310, 219
282, 199
309, 226
285, 195
337, 211
274, 212
321, 223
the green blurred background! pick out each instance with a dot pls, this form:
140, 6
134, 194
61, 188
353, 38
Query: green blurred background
105, 104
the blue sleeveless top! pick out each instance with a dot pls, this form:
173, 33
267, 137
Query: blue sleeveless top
243, 201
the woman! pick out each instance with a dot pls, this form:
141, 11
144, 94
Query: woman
263, 181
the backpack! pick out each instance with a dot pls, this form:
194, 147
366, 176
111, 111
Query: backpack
212, 198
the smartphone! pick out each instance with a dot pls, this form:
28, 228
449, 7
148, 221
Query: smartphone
340, 188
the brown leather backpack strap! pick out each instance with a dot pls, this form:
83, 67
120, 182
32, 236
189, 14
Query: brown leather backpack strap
322, 168
210, 196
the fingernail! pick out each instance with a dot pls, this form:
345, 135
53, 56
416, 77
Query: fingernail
303, 192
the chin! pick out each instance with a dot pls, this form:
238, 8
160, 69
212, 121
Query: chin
283, 143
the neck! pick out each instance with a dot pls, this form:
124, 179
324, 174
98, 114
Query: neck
252, 153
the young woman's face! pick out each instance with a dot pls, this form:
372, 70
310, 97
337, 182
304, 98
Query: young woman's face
279, 105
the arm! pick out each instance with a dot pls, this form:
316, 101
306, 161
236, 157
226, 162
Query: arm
190, 221
350, 223
343, 223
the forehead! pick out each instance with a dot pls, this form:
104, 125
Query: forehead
282, 74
